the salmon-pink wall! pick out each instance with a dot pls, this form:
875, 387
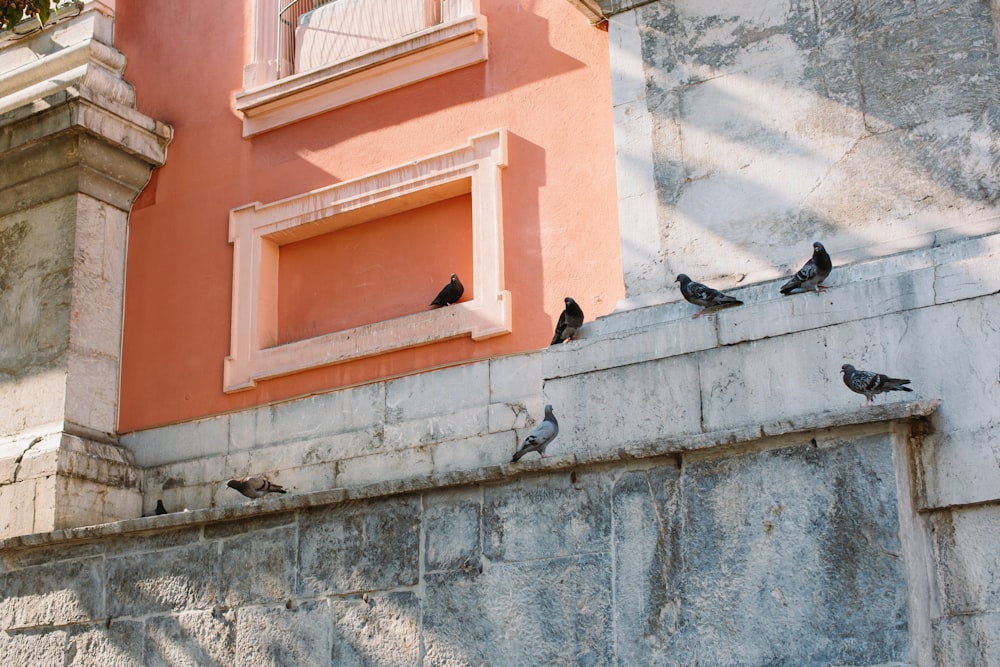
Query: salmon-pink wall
546, 81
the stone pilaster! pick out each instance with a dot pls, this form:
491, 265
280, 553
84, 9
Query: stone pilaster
74, 154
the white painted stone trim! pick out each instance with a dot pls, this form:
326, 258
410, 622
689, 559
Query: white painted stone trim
422, 55
257, 232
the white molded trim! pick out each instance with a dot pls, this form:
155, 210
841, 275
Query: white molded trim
257, 231
431, 52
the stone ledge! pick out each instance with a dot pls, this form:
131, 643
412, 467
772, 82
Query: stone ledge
881, 414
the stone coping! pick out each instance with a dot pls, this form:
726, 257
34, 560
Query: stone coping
890, 412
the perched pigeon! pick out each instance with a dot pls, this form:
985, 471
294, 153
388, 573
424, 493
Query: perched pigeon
450, 293
870, 384
704, 296
254, 487
160, 509
540, 436
812, 274
570, 321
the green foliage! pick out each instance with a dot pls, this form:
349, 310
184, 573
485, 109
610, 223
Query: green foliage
13, 11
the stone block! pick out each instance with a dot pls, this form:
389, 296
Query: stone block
967, 640
647, 528
515, 378
451, 530
967, 279
450, 423
118, 644
259, 567
848, 301
421, 396
178, 579
381, 631
303, 462
508, 416
805, 537
403, 464
80, 502
92, 390
182, 474
474, 453
628, 80
179, 442
42, 648
277, 636
191, 639
352, 409
18, 517
662, 340
358, 547
547, 517
53, 594
961, 466
632, 405
550, 612
966, 561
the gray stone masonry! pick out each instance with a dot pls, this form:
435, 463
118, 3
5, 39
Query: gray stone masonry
664, 556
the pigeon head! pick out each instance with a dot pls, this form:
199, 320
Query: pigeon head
847, 368
233, 484
681, 278
568, 300
818, 247
548, 409
454, 277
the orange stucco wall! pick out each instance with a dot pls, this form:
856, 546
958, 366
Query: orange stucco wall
546, 81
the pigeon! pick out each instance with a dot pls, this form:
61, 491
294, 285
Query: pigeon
254, 487
450, 293
870, 384
704, 296
540, 436
569, 322
812, 274
160, 509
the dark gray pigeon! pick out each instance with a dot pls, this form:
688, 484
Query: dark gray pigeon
540, 436
254, 487
704, 296
869, 384
569, 322
450, 293
160, 509
812, 274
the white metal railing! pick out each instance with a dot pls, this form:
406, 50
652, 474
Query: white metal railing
312, 33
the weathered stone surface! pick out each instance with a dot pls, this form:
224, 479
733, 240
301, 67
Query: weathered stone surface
546, 517
359, 547
33, 648
967, 640
55, 594
548, 612
805, 537
277, 636
259, 567
967, 574
119, 644
191, 639
382, 631
451, 523
646, 529
173, 580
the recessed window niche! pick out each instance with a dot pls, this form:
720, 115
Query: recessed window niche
347, 271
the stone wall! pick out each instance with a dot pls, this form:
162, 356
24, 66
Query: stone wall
787, 553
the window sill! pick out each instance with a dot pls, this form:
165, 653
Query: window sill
422, 55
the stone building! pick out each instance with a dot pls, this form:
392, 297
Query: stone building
715, 495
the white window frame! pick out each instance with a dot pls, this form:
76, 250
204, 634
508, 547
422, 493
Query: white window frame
257, 231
